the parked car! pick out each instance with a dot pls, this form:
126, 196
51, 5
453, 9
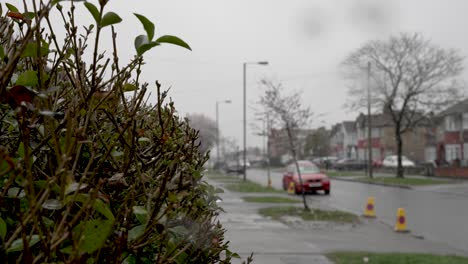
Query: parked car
392, 161
350, 164
312, 178
247, 164
234, 167
325, 162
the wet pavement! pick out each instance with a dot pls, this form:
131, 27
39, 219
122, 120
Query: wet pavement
297, 241
436, 213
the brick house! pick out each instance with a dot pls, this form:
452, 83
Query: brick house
383, 139
449, 138
343, 140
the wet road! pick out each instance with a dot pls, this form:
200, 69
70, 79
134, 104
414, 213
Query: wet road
438, 213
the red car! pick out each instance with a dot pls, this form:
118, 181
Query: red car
312, 178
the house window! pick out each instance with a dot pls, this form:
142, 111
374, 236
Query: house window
452, 152
375, 132
431, 154
376, 154
361, 154
465, 151
450, 124
465, 121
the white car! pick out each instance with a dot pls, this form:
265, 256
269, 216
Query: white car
392, 161
247, 164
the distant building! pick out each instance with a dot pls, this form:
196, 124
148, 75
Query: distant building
383, 141
449, 140
343, 140
279, 144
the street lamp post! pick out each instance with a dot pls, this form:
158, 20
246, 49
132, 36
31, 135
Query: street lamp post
217, 126
245, 114
268, 148
369, 123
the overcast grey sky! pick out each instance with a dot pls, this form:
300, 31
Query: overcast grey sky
303, 40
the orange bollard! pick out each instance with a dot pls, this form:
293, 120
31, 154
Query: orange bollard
369, 211
291, 188
400, 225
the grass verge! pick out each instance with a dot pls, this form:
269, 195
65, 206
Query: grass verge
393, 258
344, 173
313, 215
402, 181
250, 187
216, 176
269, 199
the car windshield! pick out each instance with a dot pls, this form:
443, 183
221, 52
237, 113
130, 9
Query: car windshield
309, 169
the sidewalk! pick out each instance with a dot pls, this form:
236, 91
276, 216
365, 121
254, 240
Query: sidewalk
307, 242
270, 241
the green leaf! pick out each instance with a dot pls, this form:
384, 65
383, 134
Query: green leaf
98, 205
110, 18
173, 40
103, 209
181, 258
93, 234
28, 78
52, 204
145, 47
20, 152
17, 245
3, 228
116, 153
144, 140
2, 53
135, 232
31, 50
131, 259
67, 250
147, 24
11, 7
140, 213
142, 44
54, 2
140, 40
30, 15
128, 87
94, 12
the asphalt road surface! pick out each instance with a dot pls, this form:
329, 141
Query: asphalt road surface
437, 213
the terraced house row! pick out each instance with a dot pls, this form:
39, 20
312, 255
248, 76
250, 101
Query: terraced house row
441, 139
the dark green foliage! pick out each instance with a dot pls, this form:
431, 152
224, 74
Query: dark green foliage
89, 172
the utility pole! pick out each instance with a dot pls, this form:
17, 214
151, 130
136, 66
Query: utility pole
217, 133
244, 165
268, 148
369, 124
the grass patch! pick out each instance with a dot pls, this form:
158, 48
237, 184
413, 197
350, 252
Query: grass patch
250, 187
216, 176
314, 215
344, 173
269, 199
393, 258
403, 181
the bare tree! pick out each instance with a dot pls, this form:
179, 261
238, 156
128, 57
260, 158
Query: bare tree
410, 78
317, 143
206, 129
287, 112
